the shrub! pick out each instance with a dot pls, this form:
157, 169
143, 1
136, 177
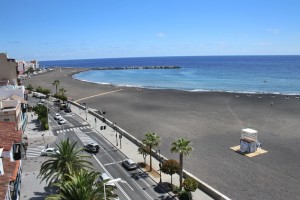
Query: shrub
184, 195
46, 126
190, 184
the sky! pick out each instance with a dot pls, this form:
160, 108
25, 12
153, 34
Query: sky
82, 29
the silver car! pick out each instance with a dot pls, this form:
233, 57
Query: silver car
49, 152
129, 164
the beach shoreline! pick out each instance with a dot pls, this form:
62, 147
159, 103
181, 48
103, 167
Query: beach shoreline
213, 122
297, 95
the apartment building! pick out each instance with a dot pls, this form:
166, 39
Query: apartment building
11, 149
10, 111
9, 70
23, 66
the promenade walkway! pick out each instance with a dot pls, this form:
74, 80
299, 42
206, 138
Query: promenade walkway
31, 186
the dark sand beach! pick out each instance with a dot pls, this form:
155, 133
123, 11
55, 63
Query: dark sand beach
213, 122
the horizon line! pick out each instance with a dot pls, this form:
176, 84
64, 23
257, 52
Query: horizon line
171, 56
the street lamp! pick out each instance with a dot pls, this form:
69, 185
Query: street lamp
44, 139
120, 137
111, 182
115, 127
85, 110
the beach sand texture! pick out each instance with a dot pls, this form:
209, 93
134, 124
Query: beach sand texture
213, 122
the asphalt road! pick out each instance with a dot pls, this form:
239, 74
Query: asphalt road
137, 184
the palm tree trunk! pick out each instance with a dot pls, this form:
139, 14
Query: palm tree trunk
56, 88
181, 170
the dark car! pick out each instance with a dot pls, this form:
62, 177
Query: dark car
92, 147
129, 164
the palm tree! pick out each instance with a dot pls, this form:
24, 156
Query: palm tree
181, 146
56, 83
82, 185
67, 161
62, 91
151, 140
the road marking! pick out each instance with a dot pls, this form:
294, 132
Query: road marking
113, 163
120, 188
33, 152
99, 95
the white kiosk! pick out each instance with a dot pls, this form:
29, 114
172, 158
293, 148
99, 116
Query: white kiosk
248, 141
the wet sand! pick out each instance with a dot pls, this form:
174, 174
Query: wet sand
213, 122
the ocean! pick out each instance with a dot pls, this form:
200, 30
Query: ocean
247, 74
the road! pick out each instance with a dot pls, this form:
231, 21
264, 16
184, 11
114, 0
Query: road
137, 184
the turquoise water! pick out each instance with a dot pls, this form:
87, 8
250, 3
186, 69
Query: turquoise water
250, 74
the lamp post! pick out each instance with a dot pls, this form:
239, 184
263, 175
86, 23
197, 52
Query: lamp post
44, 139
110, 182
85, 110
115, 127
160, 164
120, 137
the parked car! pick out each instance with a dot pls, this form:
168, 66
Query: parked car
105, 177
61, 121
129, 164
42, 101
92, 147
49, 152
57, 116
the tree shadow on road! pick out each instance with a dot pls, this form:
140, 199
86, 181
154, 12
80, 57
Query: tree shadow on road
139, 175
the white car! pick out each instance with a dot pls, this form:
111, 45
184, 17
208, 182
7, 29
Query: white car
57, 116
61, 121
49, 152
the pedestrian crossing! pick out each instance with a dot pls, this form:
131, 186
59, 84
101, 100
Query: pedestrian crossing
73, 129
34, 151
84, 138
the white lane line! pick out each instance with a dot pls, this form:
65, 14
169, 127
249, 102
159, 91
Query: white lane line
120, 188
137, 182
113, 163
123, 168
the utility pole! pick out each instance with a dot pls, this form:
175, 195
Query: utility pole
115, 127
120, 137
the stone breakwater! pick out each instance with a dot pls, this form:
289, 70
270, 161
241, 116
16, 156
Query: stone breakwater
137, 67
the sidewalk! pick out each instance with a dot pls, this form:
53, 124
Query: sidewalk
131, 151
34, 133
31, 187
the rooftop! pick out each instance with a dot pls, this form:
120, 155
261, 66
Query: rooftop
9, 135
